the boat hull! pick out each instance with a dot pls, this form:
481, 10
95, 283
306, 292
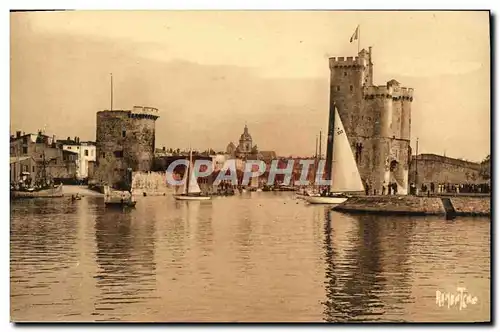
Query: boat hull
302, 196
192, 198
45, 193
120, 204
117, 198
325, 200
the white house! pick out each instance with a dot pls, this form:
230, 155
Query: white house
86, 153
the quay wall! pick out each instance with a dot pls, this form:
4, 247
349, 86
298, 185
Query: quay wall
393, 205
472, 206
416, 205
151, 183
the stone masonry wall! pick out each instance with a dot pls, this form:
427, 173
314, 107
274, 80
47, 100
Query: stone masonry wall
123, 140
440, 169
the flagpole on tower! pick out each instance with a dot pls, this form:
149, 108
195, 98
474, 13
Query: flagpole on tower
356, 36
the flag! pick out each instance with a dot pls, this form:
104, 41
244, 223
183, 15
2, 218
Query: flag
355, 34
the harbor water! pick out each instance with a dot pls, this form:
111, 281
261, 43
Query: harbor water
254, 257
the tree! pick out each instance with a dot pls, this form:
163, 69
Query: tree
485, 168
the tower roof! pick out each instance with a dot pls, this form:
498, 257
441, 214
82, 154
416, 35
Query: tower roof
246, 135
393, 82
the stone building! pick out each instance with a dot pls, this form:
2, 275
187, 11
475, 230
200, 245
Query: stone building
20, 165
442, 170
376, 119
85, 154
59, 165
125, 140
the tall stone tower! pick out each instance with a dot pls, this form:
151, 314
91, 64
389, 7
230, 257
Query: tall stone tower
125, 139
376, 119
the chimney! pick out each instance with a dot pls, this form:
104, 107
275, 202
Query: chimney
18, 134
69, 138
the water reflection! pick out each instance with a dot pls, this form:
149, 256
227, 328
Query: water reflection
368, 279
43, 251
268, 258
126, 266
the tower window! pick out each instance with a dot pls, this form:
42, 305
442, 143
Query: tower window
119, 154
124, 133
345, 73
351, 88
338, 87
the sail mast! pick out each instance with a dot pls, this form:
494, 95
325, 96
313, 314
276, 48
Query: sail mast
188, 172
320, 139
329, 144
315, 161
111, 92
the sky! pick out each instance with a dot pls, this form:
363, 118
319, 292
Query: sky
210, 72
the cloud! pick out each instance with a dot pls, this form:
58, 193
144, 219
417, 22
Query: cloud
430, 67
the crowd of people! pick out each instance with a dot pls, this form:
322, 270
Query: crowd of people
449, 188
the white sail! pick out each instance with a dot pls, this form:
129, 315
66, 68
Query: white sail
345, 174
194, 188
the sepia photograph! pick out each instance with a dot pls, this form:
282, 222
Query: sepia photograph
245, 166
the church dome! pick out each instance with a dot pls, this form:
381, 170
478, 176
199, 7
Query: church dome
246, 135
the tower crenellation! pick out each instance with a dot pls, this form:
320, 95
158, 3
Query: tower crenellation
385, 91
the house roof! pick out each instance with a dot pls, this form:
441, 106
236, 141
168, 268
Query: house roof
268, 154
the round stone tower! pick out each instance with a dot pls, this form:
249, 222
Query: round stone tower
125, 139
376, 119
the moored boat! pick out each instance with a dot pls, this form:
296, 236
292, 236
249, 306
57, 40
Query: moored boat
306, 193
184, 197
41, 186
53, 192
191, 190
118, 198
334, 199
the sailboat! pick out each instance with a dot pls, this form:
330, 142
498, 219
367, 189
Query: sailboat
191, 190
41, 187
344, 171
311, 190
